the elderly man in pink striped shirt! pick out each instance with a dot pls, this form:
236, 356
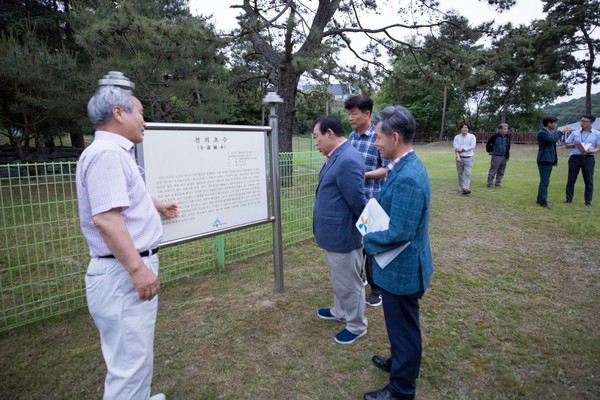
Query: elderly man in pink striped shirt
121, 224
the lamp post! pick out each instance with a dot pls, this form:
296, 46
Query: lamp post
272, 99
116, 78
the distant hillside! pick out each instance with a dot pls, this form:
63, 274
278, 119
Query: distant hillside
571, 110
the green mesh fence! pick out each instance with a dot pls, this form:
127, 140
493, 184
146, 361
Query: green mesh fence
44, 255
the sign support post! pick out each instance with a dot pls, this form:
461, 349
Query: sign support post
272, 99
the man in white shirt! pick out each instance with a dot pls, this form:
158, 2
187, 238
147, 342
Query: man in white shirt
121, 224
585, 143
464, 148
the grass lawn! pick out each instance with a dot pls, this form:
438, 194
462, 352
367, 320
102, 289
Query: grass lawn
512, 311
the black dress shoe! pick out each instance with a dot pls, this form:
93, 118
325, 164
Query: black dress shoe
385, 394
382, 363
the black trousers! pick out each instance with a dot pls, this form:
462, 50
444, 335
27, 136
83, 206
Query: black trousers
586, 164
376, 290
401, 313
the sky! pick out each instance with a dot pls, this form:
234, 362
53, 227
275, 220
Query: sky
523, 12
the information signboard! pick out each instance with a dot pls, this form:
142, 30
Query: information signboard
217, 175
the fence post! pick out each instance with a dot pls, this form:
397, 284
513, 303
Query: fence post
220, 245
272, 99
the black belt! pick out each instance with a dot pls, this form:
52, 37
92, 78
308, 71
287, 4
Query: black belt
582, 155
142, 254
466, 156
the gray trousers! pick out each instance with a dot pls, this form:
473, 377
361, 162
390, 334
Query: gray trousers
348, 289
464, 167
497, 168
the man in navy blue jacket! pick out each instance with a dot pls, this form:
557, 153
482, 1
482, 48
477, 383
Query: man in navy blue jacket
547, 157
340, 199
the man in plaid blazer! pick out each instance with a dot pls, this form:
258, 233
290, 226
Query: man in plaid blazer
405, 198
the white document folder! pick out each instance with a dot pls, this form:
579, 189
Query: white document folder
375, 219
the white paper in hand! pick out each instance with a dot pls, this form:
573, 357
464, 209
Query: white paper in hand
372, 219
375, 219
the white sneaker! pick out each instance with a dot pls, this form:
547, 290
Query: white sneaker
159, 396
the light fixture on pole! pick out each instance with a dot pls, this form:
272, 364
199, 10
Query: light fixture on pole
272, 99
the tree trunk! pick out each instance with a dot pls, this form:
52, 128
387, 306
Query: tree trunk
38, 145
287, 89
19, 150
589, 69
443, 112
77, 137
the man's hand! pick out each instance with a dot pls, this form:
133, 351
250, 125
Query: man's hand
145, 282
168, 209
566, 129
113, 230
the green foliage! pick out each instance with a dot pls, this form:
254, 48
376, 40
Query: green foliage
27, 102
521, 83
311, 105
50, 19
247, 83
423, 73
53, 53
43, 83
570, 111
572, 23
169, 54
423, 97
504, 82
184, 72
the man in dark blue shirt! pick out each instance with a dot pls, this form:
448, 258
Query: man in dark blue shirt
498, 146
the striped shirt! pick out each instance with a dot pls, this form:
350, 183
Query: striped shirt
365, 144
108, 177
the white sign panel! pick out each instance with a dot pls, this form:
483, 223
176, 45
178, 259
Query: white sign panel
217, 175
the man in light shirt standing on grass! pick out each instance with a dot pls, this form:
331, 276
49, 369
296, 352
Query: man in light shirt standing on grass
121, 224
585, 143
464, 149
